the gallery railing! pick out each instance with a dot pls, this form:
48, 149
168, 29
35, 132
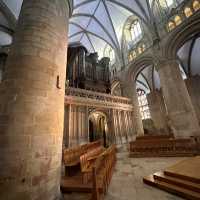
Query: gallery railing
97, 96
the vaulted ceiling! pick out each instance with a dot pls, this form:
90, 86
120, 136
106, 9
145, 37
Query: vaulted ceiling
95, 23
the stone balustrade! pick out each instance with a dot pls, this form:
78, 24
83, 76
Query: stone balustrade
97, 96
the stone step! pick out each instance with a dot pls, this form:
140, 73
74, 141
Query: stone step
160, 176
171, 188
182, 176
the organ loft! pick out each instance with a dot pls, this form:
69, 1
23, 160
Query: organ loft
99, 99
85, 71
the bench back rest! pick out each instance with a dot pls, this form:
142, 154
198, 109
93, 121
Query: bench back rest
159, 143
75, 152
84, 158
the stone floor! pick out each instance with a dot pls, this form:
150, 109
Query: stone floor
127, 182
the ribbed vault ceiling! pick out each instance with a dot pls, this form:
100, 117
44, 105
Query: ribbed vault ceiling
95, 23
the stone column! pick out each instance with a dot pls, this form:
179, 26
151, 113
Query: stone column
192, 84
32, 103
72, 133
86, 124
129, 90
111, 127
119, 126
126, 126
129, 129
157, 110
116, 127
67, 126
123, 126
76, 127
181, 115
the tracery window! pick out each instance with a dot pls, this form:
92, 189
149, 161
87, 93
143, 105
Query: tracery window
143, 104
136, 31
109, 52
171, 25
196, 5
188, 11
177, 20
132, 55
141, 48
166, 3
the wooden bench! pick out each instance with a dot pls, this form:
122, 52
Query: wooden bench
105, 167
103, 160
71, 157
162, 147
87, 161
153, 137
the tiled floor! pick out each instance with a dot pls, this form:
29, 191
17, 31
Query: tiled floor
127, 182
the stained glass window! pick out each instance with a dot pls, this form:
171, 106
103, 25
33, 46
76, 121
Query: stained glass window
143, 104
136, 31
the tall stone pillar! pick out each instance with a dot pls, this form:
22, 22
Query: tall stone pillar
157, 110
182, 118
32, 103
192, 84
129, 90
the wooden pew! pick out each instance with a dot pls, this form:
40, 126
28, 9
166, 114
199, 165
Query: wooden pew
103, 160
162, 147
104, 167
87, 161
71, 157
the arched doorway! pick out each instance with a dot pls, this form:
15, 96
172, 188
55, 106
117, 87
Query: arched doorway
91, 131
98, 127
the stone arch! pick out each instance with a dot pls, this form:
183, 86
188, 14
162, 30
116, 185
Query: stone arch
137, 66
8, 14
180, 35
98, 121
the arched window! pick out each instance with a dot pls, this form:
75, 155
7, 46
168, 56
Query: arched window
141, 49
136, 31
188, 11
177, 20
166, 3
143, 104
109, 52
196, 5
171, 25
130, 58
132, 55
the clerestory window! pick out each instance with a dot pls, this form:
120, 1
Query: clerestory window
136, 31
